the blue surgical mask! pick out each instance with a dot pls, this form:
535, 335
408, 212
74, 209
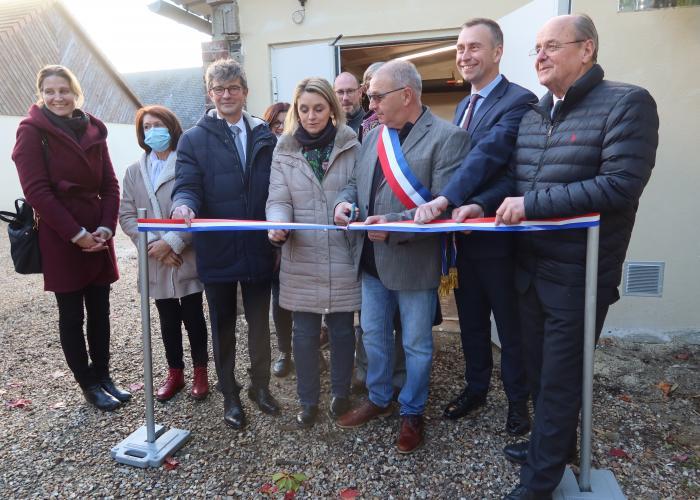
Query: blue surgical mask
158, 139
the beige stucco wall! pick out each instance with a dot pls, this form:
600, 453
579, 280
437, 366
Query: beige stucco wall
358, 21
121, 140
655, 49
659, 51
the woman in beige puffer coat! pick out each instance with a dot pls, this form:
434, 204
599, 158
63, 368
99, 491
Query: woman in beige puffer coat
312, 162
173, 281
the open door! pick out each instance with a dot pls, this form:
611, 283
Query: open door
290, 64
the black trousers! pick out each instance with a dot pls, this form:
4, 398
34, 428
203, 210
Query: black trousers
487, 285
552, 321
282, 319
173, 313
222, 311
72, 306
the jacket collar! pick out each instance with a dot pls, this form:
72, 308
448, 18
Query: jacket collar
288, 145
95, 133
578, 90
489, 102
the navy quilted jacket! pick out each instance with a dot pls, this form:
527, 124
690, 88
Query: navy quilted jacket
595, 155
210, 180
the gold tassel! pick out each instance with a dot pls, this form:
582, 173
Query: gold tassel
454, 282
444, 288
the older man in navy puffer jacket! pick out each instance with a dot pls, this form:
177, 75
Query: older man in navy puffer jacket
589, 145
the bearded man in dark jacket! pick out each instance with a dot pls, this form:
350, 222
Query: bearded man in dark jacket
223, 172
589, 145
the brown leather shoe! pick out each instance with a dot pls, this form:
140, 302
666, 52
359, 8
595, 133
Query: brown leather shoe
172, 385
411, 433
362, 414
200, 383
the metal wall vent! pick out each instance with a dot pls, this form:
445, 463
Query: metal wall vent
645, 279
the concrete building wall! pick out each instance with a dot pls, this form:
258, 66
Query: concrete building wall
658, 50
121, 140
359, 21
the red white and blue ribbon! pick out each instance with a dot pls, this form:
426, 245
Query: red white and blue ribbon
438, 226
404, 184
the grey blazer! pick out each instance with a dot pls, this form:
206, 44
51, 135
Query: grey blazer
433, 149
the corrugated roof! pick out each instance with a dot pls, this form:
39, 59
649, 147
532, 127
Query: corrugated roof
180, 90
34, 33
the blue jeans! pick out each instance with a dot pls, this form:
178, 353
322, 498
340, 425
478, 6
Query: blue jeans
305, 339
417, 310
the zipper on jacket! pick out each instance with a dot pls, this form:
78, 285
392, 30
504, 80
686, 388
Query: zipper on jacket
550, 129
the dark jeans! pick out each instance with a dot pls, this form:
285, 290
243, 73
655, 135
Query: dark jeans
553, 350
341, 335
173, 313
72, 306
222, 311
282, 319
487, 285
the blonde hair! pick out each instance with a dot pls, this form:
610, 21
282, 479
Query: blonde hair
63, 72
313, 85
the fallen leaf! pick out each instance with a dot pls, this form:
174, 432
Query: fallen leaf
268, 489
667, 388
58, 374
170, 463
682, 356
13, 385
289, 495
605, 342
19, 403
58, 405
680, 458
618, 453
136, 386
625, 397
349, 493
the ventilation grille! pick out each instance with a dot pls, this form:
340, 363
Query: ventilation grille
645, 279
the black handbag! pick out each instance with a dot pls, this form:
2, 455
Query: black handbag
23, 230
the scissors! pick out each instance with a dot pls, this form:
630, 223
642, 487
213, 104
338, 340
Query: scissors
353, 213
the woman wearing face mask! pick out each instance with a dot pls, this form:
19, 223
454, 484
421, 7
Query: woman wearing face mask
275, 115
312, 162
173, 281
66, 175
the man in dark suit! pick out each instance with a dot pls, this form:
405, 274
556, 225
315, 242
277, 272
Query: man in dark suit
399, 271
588, 146
485, 261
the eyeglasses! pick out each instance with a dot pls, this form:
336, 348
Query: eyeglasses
347, 92
550, 48
233, 90
379, 97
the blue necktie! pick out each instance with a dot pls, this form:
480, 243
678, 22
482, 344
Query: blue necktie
239, 145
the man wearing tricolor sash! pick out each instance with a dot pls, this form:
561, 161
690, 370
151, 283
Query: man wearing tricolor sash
401, 164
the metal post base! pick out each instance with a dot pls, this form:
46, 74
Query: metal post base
603, 487
137, 451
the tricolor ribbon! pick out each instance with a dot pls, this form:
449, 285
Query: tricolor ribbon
437, 226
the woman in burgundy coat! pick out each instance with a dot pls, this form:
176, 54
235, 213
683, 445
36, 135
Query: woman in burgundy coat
67, 176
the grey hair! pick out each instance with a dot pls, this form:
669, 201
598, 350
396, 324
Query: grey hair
494, 28
225, 70
586, 30
403, 74
371, 70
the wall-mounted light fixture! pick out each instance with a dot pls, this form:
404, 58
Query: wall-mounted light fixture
299, 15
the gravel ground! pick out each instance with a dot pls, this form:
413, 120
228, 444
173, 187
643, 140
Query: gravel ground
57, 446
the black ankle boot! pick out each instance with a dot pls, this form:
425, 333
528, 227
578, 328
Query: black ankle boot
99, 398
307, 416
111, 388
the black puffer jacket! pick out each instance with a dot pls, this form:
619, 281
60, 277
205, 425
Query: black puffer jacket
595, 155
210, 180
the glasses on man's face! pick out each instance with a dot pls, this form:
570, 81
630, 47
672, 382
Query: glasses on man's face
379, 97
345, 92
550, 48
232, 90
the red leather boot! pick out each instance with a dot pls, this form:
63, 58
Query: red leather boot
200, 383
172, 385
